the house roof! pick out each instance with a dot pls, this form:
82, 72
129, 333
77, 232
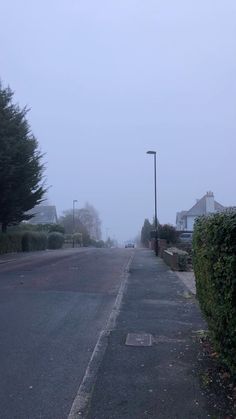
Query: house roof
43, 214
200, 207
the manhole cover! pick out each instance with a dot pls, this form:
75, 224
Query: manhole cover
139, 339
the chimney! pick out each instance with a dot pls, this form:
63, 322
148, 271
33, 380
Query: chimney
210, 202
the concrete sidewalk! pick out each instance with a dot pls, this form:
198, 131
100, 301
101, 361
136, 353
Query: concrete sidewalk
159, 380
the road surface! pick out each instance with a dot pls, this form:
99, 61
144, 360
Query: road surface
53, 306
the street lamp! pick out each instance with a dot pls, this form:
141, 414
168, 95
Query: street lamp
155, 190
74, 201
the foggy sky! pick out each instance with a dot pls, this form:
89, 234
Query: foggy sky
108, 80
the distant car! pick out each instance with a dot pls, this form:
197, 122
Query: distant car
186, 237
129, 245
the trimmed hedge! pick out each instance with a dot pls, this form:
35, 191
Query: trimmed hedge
56, 228
214, 262
22, 242
55, 240
11, 242
32, 240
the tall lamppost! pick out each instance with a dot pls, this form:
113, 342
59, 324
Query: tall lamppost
155, 194
74, 201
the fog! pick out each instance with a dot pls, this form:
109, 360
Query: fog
108, 80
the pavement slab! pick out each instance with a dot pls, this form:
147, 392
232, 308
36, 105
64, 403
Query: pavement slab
160, 380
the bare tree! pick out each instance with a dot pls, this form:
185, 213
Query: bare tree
86, 221
89, 217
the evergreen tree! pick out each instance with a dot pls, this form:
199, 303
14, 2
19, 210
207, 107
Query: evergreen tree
21, 170
145, 232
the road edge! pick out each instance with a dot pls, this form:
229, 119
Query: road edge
80, 404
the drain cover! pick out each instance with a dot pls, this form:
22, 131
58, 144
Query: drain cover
139, 339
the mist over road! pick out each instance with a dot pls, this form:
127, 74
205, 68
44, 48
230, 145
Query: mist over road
53, 306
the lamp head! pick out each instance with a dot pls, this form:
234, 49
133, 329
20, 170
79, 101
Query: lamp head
151, 152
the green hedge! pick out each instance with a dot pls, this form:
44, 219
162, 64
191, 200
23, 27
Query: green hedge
55, 240
10, 243
32, 240
22, 242
214, 262
56, 228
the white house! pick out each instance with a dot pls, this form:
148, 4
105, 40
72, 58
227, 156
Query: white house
205, 205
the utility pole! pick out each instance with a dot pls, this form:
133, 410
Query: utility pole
74, 201
155, 199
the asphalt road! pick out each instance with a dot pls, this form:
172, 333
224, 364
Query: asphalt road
53, 306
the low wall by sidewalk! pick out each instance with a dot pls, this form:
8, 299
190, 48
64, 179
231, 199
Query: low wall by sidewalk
175, 258
171, 259
161, 243
162, 246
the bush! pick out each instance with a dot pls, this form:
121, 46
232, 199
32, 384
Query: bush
99, 243
10, 242
167, 232
56, 228
78, 239
19, 228
183, 261
214, 261
32, 240
15, 242
42, 228
55, 240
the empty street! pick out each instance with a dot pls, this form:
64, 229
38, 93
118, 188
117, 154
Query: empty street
53, 306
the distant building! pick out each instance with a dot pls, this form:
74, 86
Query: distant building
43, 214
205, 205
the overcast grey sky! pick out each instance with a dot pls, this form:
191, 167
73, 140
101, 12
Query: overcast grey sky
108, 80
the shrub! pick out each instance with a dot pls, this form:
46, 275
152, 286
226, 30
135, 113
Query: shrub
21, 227
4, 243
78, 239
214, 261
32, 240
100, 243
183, 261
46, 228
55, 240
57, 228
10, 242
167, 232
15, 242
